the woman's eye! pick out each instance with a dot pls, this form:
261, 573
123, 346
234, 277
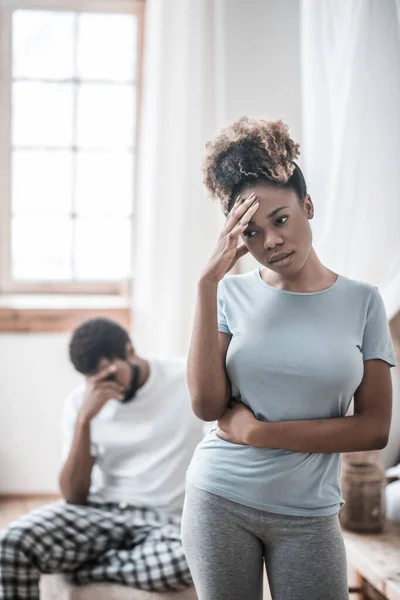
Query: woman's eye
281, 220
249, 234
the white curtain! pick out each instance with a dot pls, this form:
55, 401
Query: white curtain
176, 226
351, 136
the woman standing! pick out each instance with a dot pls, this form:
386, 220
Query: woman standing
276, 357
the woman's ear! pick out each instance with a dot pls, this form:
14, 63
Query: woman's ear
308, 207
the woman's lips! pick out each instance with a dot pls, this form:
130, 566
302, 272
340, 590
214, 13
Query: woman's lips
285, 260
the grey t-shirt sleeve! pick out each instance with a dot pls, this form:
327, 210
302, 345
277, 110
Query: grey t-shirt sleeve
377, 341
221, 315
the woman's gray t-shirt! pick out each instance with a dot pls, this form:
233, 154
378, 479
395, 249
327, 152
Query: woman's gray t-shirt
292, 356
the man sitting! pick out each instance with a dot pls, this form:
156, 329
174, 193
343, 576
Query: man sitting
129, 434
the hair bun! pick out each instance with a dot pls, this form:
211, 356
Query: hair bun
249, 148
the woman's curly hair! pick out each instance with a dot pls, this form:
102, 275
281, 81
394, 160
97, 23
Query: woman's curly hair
247, 150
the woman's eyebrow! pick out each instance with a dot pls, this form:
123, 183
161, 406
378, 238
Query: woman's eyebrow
274, 212
271, 214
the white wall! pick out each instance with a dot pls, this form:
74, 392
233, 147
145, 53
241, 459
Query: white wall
262, 65
35, 377
262, 78
262, 61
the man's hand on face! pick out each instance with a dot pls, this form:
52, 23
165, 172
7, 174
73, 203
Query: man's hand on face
99, 390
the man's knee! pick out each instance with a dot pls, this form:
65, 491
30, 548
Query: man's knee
30, 529
10, 542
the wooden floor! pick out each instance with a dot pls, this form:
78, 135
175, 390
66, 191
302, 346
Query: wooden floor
12, 507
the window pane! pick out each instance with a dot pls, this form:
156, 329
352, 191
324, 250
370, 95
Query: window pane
105, 116
42, 114
41, 248
107, 47
43, 44
104, 183
102, 250
41, 182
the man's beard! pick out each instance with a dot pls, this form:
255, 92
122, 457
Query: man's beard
134, 384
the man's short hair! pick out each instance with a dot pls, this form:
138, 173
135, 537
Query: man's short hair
95, 339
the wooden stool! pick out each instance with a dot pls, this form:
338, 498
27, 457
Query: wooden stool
56, 587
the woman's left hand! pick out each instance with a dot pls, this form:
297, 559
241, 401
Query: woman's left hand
236, 423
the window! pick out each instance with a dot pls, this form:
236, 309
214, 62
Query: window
69, 80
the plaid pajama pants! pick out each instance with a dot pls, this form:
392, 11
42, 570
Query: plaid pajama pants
99, 542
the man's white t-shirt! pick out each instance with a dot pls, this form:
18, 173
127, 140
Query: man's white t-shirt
143, 447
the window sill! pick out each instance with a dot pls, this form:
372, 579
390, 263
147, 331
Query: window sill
36, 313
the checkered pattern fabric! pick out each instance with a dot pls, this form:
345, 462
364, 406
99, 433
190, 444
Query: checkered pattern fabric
108, 542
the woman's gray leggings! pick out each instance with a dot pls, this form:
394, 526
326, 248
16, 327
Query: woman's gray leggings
226, 544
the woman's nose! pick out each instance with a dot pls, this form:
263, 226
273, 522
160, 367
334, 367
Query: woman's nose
272, 239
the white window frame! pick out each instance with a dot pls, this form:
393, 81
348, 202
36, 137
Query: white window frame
7, 7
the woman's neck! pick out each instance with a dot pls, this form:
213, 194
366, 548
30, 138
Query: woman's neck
313, 277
